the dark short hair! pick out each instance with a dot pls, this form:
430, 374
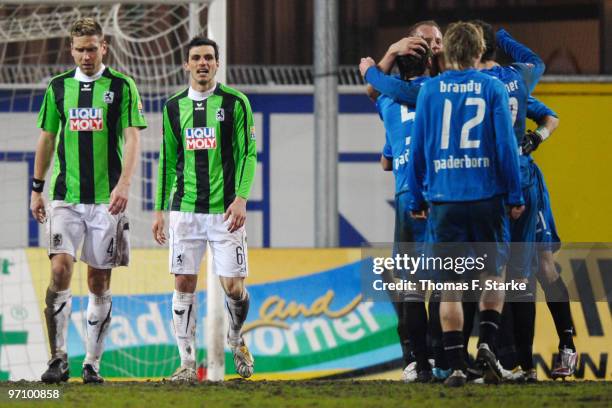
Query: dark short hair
85, 27
412, 65
489, 37
415, 26
198, 42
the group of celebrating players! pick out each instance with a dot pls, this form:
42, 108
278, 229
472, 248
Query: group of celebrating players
456, 141
206, 169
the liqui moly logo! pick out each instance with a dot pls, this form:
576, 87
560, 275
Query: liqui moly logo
86, 119
201, 138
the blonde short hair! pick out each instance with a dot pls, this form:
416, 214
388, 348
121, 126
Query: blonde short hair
463, 43
84, 27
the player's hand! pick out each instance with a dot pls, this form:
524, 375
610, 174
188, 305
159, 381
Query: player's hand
409, 46
37, 206
419, 215
365, 64
516, 211
119, 199
158, 228
530, 141
236, 214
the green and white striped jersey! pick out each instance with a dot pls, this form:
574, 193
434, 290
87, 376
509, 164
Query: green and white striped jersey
88, 118
208, 154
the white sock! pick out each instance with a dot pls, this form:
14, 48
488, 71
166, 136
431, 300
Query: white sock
98, 321
57, 315
184, 321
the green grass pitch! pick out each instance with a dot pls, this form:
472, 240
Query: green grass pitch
345, 394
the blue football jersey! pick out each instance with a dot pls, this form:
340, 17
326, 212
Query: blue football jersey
398, 120
463, 147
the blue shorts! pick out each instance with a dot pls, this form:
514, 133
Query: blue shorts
481, 223
546, 230
523, 236
410, 234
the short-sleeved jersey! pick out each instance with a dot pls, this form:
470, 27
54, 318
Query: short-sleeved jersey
88, 119
208, 154
398, 120
463, 146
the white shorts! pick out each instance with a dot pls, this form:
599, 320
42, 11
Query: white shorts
105, 237
189, 233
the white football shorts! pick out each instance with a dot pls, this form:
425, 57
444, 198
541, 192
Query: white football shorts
189, 232
105, 237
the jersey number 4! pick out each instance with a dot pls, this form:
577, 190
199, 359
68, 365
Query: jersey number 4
465, 143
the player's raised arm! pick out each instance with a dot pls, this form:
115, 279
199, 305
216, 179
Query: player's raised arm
399, 90
546, 120
506, 148
534, 67
406, 46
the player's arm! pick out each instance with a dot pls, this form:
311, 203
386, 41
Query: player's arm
166, 176
48, 122
530, 63
244, 132
400, 91
406, 46
132, 120
386, 158
416, 162
546, 120
506, 149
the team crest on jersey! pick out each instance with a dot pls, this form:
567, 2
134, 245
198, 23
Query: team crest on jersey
86, 119
200, 138
109, 97
220, 115
57, 240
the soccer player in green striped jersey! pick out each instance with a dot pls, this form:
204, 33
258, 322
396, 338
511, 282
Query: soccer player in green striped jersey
87, 116
207, 160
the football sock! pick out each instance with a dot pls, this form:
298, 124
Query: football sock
557, 299
453, 347
99, 310
402, 332
489, 324
237, 311
416, 324
524, 309
184, 321
57, 314
505, 350
435, 332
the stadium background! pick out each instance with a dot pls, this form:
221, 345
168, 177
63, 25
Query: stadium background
336, 332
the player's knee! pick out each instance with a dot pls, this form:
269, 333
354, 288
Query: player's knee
185, 283
98, 280
547, 272
61, 272
234, 288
